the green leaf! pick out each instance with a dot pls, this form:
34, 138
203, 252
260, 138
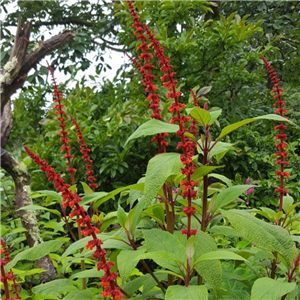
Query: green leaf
159, 168
219, 254
127, 262
211, 271
204, 90
190, 248
92, 273
203, 170
201, 115
51, 194
5, 232
55, 287
122, 216
152, 127
214, 114
156, 212
287, 201
159, 240
112, 194
86, 189
219, 150
82, 243
80, 295
191, 292
228, 195
264, 235
228, 129
224, 230
97, 196
38, 207
222, 178
36, 252
134, 216
166, 260
291, 207
270, 289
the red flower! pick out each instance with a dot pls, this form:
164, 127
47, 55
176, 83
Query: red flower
57, 96
84, 150
281, 135
148, 78
72, 200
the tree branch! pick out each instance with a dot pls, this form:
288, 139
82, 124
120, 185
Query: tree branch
14, 73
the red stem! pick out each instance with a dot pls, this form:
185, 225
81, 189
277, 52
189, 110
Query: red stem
6, 288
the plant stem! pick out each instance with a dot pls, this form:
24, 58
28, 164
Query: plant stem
274, 265
199, 279
153, 276
6, 289
169, 201
188, 273
205, 181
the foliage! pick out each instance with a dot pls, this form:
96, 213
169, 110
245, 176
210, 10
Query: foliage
176, 226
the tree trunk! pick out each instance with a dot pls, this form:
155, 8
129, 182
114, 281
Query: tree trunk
29, 222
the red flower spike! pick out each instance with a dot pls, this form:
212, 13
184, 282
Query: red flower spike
84, 149
57, 96
148, 78
176, 108
72, 200
281, 136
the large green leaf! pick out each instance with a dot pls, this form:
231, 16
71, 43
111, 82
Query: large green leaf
222, 178
51, 194
38, 207
159, 168
127, 262
211, 271
134, 217
54, 288
219, 254
159, 240
270, 289
201, 115
191, 292
122, 216
36, 252
219, 150
203, 170
152, 127
264, 235
80, 295
214, 114
88, 198
92, 273
228, 195
228, 129
82, 243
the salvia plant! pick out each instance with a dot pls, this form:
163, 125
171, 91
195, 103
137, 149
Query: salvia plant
8, 277
185, 231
